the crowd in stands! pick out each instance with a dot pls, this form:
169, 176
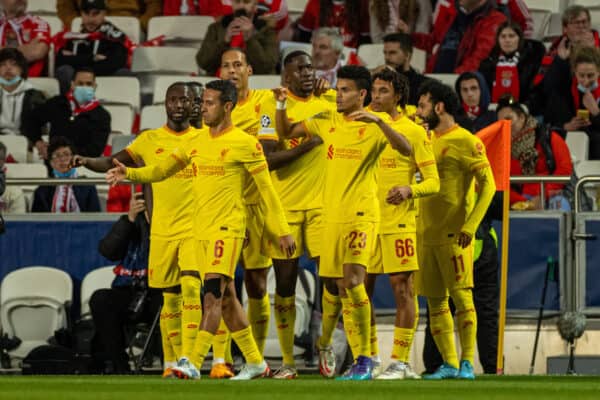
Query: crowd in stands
491, 45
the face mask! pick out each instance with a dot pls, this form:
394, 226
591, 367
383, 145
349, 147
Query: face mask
11, 82
69, 174
583, 89
83, 94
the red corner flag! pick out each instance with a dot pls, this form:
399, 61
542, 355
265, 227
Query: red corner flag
496, 138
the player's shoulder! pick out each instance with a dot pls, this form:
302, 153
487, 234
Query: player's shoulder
261, 95
411, 129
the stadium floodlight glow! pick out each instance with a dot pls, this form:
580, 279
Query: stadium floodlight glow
571, 326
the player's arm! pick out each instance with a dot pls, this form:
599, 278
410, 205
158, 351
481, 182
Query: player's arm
487, 189
286, 129
397, 140
103, 164
177, 161
277, 158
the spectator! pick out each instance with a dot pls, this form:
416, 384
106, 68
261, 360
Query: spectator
100, 46
12, 201
18, 98
575, 94
385, 15
463, 35
76, 115
143, 10
513, 64
129, 300
243, 29
64, 198
518, 12
27, 33
474, 97
397, 51
350, 16
327, 57
535, 151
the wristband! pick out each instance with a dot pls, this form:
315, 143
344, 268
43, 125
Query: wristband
281, 105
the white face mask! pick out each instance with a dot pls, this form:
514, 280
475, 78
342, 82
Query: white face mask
583, 89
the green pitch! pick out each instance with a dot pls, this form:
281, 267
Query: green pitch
309, 388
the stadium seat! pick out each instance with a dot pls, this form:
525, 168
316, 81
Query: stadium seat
296, 8
305, 297
183, 31
371, 54
284, 45
164, 81
16, 146
418, 60
119, 90
264, 81
546, 5
447, 79
27, 171
100, 278
121, 118
554, 29
165, 60
586, 3
33, 305
153, 117
541, 21
119, 142
47, 85
129, 25
588, 168
56, 25
41, 7
579, 145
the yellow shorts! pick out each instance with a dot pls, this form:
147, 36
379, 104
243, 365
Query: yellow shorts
394, 252
444, 268
218, 256
350, 243
255, 255
167, 259
307, 229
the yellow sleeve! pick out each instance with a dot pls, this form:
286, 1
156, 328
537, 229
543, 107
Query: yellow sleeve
425, 160
486, 190
136, 149
176, 161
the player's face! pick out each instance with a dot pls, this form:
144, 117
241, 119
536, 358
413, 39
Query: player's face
394, 55
426, 111
349, 98
517, 121
213, 112
177, 104
508, 40
60, 160
9, 69
323, 55
586, 74
195, 93
470, 92
300, 76
235, 69
92, 20
383, 96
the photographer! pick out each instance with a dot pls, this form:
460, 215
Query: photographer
129, 300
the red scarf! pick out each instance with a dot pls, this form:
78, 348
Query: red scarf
507, 78
472, 112
577, 94
76, 108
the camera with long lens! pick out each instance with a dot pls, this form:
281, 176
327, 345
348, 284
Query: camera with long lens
136, 307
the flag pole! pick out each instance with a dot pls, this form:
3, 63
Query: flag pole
503, 280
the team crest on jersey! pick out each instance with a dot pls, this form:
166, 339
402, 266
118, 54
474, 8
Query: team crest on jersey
159, 150
265, 121
26, 33
361, 132
224, 153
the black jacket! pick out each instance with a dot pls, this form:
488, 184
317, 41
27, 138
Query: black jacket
529, 63
2, 182
32, 99
415, 80
87, 198
111, 45
88, 131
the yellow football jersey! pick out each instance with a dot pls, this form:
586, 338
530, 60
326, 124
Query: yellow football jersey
221, 167
352, 153
396, 169
459, 154
172, 198
300, 182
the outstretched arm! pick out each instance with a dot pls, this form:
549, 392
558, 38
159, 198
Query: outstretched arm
152, 173
102, 164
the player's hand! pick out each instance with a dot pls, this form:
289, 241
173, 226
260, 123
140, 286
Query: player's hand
287, 245
398, 194
464, 239
364, 116
78, 161
321, 86
116, 174
136, 206
280, 93
590, 103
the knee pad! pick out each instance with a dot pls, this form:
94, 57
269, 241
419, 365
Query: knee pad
213, 286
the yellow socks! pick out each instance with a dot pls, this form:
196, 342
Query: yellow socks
442, 329
221, 344
373, 341
349, 327
331, 313
285, 319
247, 345
201, 346
191, 313
171, 313
466, 320
169, 356
403, 338
259, 313
361, 317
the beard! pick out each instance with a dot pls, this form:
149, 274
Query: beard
432, 120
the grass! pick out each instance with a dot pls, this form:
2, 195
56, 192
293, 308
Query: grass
308, 387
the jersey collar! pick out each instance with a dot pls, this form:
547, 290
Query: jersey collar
453, 127
172, 132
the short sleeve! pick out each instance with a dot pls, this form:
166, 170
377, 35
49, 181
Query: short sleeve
473, 155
